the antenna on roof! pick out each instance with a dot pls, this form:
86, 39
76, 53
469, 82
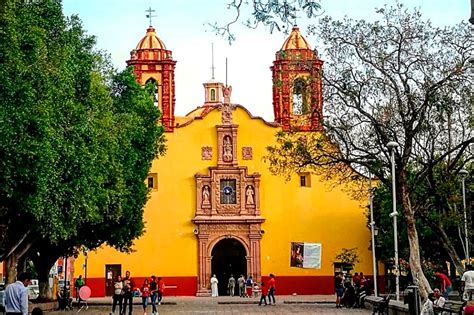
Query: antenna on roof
212, 67
149, 15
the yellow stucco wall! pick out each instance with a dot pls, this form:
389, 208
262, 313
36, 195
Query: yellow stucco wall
315, 214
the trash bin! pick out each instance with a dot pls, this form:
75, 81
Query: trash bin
412, 298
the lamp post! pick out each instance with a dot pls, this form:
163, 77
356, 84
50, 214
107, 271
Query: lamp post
392, 146
464, 174
372, 232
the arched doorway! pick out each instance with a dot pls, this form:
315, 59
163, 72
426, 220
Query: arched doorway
228, 258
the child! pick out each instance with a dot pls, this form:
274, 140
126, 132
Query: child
263, 297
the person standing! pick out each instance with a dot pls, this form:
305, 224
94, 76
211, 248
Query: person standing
161, 290
467, 283
446, 285
231, 285
241, 282
249, 286
154, 294
16, 295
338, 281
118, 295
271, 289
128, 288
78, 284
145, 295
263, 294
214, 282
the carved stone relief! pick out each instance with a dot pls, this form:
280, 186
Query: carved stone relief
206, 153
247, 153
227, 146
249, 192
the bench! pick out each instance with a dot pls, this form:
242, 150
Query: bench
381, 305
451, 307
174, 287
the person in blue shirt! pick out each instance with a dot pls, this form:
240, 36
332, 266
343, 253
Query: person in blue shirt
16, 295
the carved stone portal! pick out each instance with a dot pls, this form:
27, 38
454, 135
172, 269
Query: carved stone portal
227, 206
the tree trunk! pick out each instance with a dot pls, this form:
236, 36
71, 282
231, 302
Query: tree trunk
43, 264
415, 260
10, 265
449, 248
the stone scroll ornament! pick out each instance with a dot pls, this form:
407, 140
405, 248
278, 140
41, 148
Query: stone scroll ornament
226, 110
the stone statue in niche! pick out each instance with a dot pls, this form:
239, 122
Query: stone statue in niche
250, 193
227, 149
206, 195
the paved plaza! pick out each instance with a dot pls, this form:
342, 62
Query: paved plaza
227, 305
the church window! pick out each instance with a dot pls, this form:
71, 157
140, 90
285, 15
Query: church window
213, 95
228, 191
154, 90
305, 180
300, 97
152, 181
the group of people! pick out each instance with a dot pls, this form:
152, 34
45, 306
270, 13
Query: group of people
124, 289
247, 286
351, 291
437, 299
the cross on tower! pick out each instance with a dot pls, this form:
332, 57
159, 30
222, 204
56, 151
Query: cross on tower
149, 15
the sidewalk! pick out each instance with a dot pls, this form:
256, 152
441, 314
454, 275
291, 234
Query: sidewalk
178, 300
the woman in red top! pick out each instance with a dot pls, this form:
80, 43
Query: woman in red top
145, 295
271, 289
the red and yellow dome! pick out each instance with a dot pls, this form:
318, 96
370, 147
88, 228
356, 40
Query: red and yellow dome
295, 40
150, 41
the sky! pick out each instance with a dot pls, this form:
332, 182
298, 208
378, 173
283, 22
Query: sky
183, 26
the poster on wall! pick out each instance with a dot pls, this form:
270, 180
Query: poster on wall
305, 255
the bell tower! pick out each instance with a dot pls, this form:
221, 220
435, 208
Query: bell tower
297, 85
153, 63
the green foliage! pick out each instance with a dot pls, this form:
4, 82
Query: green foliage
76, 138
348, 256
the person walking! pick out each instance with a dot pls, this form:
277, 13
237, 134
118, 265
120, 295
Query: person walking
16, 295
271, 289
161, 290
241, 282
249, 286
467, 283
118, 295
145, 295
214, 283
263, 296
128, 288
231, 285
78, 284
153, 294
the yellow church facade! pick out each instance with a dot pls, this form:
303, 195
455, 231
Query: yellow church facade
214, 206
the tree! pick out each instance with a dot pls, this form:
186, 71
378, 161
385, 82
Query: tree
397, 79
274, 14
77, 140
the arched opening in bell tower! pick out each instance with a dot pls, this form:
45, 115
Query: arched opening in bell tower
228, 258
155, 91
300, 97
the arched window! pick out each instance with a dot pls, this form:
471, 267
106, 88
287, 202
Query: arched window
300, 97
155, 90
213, 95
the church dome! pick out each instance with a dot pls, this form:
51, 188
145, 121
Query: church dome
295, 40
150, 41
